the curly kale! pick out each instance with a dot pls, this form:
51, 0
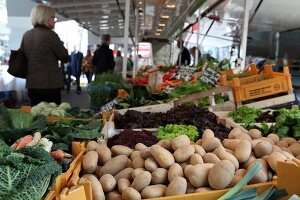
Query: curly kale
26, 173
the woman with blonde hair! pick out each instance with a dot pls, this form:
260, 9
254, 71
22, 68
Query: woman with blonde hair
43, 48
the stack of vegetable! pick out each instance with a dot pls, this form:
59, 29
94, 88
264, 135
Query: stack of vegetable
26, 173
179, 166
202, 118
50, 109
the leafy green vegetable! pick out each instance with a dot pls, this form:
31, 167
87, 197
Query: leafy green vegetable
26, 173
5, 119
171, 131
245, 114
20, 118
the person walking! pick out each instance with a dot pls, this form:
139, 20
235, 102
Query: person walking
43, 48
87, 66
76, 65
119, 63
103, 58
184, 53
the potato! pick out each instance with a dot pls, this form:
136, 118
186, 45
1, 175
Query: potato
282, 143
131, 194
153, 191
203, 189
298, 157
138, 163
251, 158
113, 195
223, 155
174, 171
151, 164
114, 166
190, 188
221, 174
210, 158
129, 163
98, 193
236, 178
98, 168
145, 153
108, 182
234, 132
167, 144
199, 142
135, 154
140, 147
196, 159
243, 151
265, 157
198, 174
275, 148
180, 141
89, 162
162, 156
240, 172
262, 175
159, 176
274, 158
243, 136
229, 151
141, 181
207, 133
288, 155
121, 150
295, 149
184, 153
262, 148
186, 170
289, 140
125, 173
92, 146
135, 172
177, 186
211, 144
285, 149
274, 137
268, 140
254, 133
104, 154
123, 183
199, 150
231, 143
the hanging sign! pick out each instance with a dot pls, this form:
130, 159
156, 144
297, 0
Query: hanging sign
210, 76
110, 105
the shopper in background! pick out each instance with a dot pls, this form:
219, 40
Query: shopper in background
185, 54
193, 53
76, 65
103, 57
87, 66
119, 63
43, 48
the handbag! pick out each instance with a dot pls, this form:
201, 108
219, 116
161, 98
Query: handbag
18, 65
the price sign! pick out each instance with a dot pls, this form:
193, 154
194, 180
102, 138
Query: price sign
110, 105
186, 73
210, 76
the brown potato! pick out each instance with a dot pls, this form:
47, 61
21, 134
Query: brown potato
223, 155
140, 147
98, 193
198, 174
151, 164
295, 149
177, 186
89, 162
135, 154
125, 173
262, 175
210, 158
138, 163
180, 141
135, 172
196, 159
224, 169
203, 189
207, 133
274, 158
104, 154
92, 146
190, 188
236, 178
282, 143
274, 137
199, 150
289, 140
162, 156
114, 165
231, 143
174, 171
123, 183
108, 182
254, 133
153, 191
186, 170
211, 144
141, 181
184, 153
262, 148
240, 172
113, 195
167, 144
131, 194
243, 151
121, 150
234, 132
159, 176
145, 153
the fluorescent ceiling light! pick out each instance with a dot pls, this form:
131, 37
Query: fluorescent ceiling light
157, 33
171, 6
161, 25
105, 17
103, 21
140, 2
104, 28
158, 30
165, 16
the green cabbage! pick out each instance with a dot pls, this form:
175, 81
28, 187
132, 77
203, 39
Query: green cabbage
65, 106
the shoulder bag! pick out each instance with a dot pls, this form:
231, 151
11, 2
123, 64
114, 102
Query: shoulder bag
18, 65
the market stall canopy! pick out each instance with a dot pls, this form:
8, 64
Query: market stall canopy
155, 18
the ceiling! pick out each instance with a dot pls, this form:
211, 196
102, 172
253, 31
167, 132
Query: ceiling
155, 18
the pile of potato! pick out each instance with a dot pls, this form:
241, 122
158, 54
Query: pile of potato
179, 166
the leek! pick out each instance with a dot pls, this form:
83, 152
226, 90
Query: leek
266, 194
248, 176
246, 194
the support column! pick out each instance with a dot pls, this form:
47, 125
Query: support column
197, 44
245, 33
136, 35
126, 32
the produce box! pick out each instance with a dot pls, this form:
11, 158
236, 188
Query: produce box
261, 85
78, 149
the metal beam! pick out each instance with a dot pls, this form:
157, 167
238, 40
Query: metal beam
92, 15
92, 9
244, 34
126, 32
81, 3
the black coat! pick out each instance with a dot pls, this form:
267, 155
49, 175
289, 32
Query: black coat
185, 57
103, 59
